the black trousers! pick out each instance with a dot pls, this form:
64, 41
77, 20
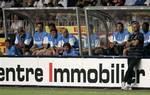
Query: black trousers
132, 62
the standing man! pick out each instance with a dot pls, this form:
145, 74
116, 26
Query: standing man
134, 50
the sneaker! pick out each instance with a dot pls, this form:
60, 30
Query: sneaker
127, 87
123, 84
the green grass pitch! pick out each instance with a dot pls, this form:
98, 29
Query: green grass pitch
67, 91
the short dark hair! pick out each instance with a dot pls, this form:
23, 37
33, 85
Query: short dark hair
134, 22
146, 23
120, 24
53, 30
40, 23
53, 25
7, 40
67, 44
21, 30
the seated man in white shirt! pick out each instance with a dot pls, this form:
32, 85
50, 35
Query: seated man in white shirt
120, 36
16, 24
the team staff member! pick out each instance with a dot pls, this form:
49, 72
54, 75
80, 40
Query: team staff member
134, 51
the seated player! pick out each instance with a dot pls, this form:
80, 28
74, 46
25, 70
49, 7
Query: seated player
38, 38
51, 43
68, 38
95, 42
146, 33
68, 50
120, 37
10, 48
23, 39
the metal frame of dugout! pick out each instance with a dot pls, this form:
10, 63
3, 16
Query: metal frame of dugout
28, 12
109, 13
104, 14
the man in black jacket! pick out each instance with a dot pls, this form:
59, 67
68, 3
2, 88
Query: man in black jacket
134, 51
